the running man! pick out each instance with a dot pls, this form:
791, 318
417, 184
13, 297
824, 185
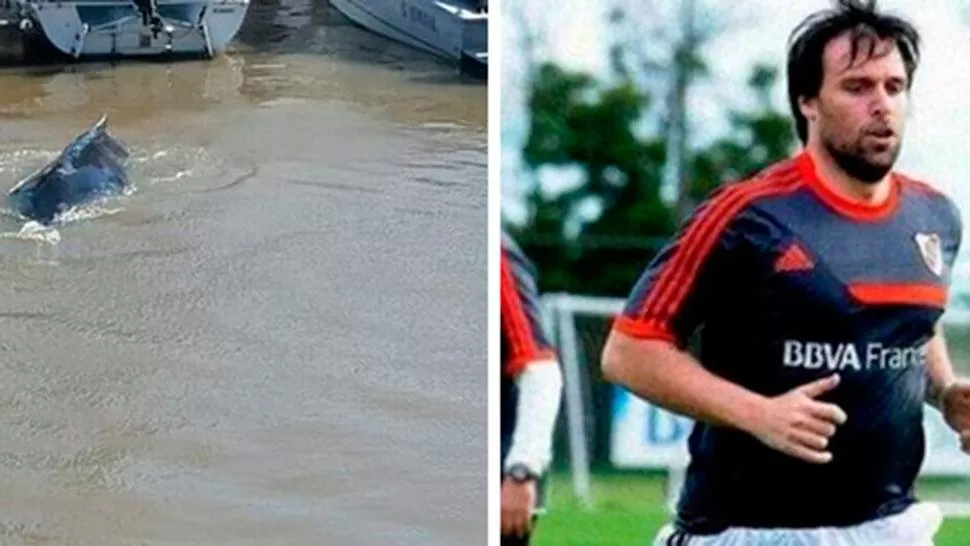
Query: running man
820, 284
531, 393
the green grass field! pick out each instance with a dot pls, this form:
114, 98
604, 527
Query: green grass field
629, 510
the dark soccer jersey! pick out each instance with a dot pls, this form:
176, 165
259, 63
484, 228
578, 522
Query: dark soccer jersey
523, 337
789, 283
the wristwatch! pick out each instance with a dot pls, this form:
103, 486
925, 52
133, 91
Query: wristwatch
521, 473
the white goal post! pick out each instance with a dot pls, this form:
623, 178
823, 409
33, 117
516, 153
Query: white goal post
644, 436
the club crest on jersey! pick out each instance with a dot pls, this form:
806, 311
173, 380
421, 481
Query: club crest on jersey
930, 248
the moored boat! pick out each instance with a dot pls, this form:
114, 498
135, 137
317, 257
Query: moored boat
124, 28
455, 30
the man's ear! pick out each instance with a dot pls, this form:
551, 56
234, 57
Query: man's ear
808, 107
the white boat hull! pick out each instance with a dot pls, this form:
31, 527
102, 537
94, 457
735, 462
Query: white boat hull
115, 28
444, 30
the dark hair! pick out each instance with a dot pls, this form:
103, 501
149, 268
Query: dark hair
858, 17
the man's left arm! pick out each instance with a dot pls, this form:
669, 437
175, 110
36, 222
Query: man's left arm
946, 391
940, 376
533, 365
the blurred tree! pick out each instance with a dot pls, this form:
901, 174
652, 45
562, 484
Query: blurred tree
756, 139
593, 124
578, 121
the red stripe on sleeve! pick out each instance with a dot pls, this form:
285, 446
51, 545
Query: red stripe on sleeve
666, 297
516, 325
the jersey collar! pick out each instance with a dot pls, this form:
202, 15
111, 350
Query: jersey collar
843, 204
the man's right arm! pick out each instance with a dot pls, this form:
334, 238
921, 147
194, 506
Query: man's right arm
793, 423
645, 352
660, 372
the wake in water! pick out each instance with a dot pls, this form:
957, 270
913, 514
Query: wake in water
38, 232
34, 231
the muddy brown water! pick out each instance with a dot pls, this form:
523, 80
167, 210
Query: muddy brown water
280, 336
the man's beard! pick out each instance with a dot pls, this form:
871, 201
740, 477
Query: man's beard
855, 164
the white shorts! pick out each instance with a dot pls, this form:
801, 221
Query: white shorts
914, 526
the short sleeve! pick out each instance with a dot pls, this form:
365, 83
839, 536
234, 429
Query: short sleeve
524, 339
952, 244
673, 295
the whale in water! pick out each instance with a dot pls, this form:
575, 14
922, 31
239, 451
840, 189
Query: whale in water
91, 167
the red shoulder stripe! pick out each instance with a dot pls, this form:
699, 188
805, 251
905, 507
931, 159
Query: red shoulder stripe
700, 237
514, 321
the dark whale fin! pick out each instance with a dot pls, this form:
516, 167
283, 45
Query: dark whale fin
92, 166
94, 147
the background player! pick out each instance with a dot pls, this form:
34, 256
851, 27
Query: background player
531, 393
